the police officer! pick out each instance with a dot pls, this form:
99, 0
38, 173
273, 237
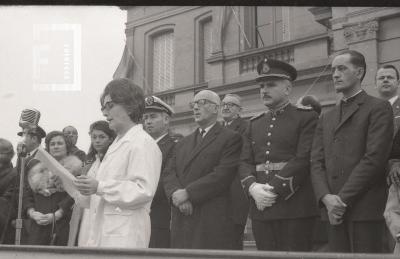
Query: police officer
156, 119
275, 164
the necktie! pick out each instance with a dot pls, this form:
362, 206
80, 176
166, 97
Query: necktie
200, 136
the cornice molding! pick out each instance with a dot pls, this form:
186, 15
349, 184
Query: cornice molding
130, 25
361, 31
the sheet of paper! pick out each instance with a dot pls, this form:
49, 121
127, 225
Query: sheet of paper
56, 168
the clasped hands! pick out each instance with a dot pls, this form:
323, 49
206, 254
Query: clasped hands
262, 195
86, 185
180, 199
335, 207
45, 219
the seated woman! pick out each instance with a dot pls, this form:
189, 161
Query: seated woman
46, 203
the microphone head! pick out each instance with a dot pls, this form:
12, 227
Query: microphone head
29, 118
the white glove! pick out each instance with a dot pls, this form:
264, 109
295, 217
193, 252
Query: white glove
262, 195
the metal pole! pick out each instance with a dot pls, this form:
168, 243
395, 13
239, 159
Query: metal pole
18, 221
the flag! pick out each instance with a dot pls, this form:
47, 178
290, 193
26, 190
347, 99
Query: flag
125, 67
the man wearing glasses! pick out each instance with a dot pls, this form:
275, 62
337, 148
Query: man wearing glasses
230, 110
198, 179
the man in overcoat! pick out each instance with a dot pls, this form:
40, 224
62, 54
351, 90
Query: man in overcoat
230, 110
199, 177
156, 119
275, 164
350, 151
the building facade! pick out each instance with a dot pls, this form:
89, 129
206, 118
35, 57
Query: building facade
176, 51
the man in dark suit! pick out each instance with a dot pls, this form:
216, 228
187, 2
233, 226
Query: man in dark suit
156, 119
71, 133
275, 164
7, 178
199, 177
31, 140
387, 84
231, 108
350, 151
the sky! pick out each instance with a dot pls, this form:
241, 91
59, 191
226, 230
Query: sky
57, 60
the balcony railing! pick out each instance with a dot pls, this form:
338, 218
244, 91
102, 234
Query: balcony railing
249, 63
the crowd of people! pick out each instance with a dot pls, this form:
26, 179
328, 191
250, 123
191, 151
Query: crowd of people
287, 168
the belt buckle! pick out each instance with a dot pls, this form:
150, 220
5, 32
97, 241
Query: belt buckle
267, 169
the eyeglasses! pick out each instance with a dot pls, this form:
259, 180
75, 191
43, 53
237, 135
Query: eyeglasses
229, 105
199, 103
107, 106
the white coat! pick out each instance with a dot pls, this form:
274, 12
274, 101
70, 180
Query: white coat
128, 178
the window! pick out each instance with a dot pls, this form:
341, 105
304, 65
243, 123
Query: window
272, 25
163, 62
205, 49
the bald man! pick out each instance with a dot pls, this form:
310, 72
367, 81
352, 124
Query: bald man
198, 179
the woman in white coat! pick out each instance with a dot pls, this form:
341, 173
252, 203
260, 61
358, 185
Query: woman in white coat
120, 192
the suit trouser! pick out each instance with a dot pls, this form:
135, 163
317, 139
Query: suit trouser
356, 237
238, 236
160, 238
284, 234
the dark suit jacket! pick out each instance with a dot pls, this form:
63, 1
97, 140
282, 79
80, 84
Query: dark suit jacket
239, 200
160, 214
284, 137
350, 154
206, 171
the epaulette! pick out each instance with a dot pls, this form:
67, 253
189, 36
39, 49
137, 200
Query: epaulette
257, 116
303, 108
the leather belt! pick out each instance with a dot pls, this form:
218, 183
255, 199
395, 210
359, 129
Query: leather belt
270, 166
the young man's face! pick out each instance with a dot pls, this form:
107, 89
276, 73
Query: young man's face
155, 123
387, 82
345, 74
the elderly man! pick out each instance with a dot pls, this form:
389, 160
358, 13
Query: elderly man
72, 134
275, 164
350, 151
7, 178
156, 119
198, 179
231, 108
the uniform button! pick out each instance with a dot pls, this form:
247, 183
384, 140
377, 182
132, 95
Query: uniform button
266, 172
269, 134
267, 152
268, 143
284, 184
273, 118
271, 126
267, 162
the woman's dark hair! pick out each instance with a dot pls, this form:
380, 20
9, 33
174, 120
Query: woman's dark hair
104, 127
56, 133
123, 91
312, 102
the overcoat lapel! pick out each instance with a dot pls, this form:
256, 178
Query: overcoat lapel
352, 109
210, 136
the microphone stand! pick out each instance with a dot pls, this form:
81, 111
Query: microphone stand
18, 221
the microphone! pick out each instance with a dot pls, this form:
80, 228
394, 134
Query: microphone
29, 118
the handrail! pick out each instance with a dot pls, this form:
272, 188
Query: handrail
25, 252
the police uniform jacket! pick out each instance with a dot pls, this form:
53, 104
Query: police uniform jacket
239, 200
160, 213
283, 136
349, 156
206, 171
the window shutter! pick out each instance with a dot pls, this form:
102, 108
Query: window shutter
163, 62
